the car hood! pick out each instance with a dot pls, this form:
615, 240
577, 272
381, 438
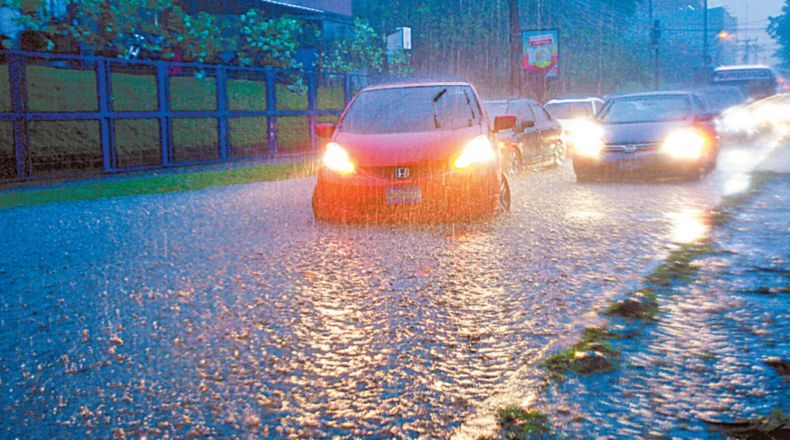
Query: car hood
378, 150
642, 132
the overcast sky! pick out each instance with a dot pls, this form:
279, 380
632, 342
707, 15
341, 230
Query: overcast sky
753, 14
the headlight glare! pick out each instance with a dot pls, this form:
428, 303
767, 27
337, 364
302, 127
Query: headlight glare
336, 158
478, 151
685, 144
587, 139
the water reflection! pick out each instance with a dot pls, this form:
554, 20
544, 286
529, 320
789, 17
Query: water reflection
689, 226
737, 184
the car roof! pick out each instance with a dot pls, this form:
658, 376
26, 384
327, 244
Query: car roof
743, 67
405, 84
650, 94
573, 100
507, 101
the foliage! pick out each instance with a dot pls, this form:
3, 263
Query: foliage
779, 28
112, 28
471, 40
268, 42
518, 423
162, 29
399, 63
362, 50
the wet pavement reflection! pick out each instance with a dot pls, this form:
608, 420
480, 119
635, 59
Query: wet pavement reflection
229, 312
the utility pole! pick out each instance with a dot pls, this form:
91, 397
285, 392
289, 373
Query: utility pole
515, 48
655, 39
705, 42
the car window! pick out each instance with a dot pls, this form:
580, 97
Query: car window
659, 108
570, 110
540, 114
523, 111
412, 109
494, 109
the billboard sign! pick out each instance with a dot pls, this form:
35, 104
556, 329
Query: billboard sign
541, 52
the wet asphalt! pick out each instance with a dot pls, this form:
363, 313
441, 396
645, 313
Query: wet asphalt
229, 312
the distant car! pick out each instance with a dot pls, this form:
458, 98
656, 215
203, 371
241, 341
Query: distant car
565, 110
660, 134
535, 140
756, 82
569, 112
420, 151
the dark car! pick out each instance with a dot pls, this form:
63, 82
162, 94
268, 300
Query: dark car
661, 134
535, 140
412, 151
756, 82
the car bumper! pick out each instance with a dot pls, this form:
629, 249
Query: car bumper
442, 196
640, 164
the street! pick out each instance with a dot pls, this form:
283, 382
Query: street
228, 312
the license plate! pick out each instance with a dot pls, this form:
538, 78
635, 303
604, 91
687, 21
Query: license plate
401, 195
631, 164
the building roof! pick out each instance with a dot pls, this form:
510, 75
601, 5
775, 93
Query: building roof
339, 7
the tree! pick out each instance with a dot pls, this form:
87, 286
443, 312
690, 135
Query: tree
360, 51
779, 28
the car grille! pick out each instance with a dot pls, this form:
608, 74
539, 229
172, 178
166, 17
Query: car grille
414, 171
632, 148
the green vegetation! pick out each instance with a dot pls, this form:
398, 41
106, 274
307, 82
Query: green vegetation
594, 339
638, 305
679, 264
516, 424
779, 28
154, 184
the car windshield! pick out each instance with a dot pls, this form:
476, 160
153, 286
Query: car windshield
412, 109
569, 110
646, 109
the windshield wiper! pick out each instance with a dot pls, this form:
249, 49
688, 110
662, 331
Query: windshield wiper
433, 107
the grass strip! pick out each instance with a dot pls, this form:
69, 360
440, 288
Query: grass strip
518, 423
160, 184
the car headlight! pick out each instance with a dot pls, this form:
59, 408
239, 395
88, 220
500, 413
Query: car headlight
685, 144
587, 139
336, 158
478, 151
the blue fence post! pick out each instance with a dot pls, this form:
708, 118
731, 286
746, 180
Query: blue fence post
104, 93
163, 98
271, 107
347, 90
312, 105
223, 109
18, 88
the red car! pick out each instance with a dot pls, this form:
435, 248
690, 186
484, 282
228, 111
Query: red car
419, 151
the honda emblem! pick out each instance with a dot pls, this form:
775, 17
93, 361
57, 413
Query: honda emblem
402, 173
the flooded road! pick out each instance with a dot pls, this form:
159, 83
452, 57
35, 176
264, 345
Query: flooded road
230, 312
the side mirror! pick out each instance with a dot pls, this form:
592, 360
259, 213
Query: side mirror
527, 124
502, 123
325, 131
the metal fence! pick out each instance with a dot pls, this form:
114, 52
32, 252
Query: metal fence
65, 115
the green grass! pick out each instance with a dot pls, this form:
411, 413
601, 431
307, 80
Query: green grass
648, 300
75, 145
518, 423
593, 339
154, 185
679, 264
